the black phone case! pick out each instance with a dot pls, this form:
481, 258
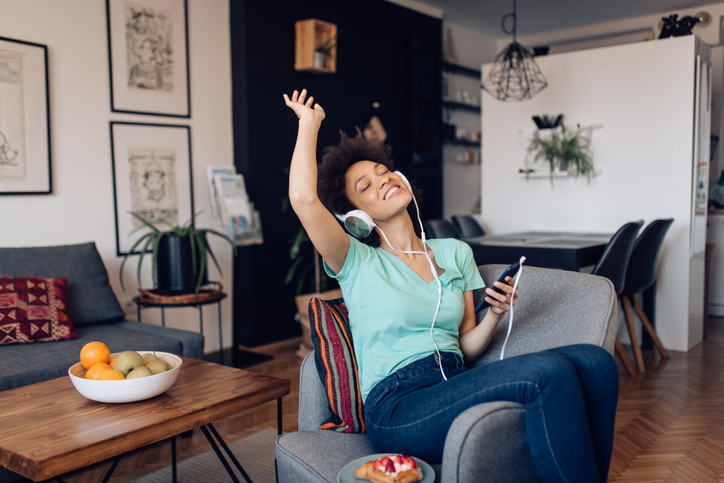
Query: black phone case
508, 272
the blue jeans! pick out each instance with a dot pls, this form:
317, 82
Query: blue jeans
570, 394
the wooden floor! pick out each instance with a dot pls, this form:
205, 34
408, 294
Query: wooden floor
669, 427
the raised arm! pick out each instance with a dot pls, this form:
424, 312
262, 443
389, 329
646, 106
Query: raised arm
323, 229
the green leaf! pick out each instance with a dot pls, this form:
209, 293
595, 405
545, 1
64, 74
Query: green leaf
292, 270
192, 239
130, 252
143, 220
299, 239
211, 253
221, 235
140, 259
202, 252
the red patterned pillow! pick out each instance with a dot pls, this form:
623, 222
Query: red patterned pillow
33, 309
336, 364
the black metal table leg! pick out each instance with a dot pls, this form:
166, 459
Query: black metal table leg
221, 344
112, 468
228, 452
219, 454
279, 416
173, 459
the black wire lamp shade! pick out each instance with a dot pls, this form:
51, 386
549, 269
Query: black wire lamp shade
515, 76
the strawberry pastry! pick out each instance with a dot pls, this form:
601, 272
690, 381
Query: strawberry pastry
390, 469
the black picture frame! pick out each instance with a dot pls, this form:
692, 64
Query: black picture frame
25, 154
158, 153
148, 57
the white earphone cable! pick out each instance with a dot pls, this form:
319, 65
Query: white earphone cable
434, 273
510, 320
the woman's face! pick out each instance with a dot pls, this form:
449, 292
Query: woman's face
371, 187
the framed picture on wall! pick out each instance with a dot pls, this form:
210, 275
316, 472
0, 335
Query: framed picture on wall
24, 118
148, 57
151, 177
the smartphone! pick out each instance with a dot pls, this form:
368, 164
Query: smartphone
508, 272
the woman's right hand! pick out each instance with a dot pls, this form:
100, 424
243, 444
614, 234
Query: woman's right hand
302, 106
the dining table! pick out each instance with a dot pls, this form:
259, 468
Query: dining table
547, 249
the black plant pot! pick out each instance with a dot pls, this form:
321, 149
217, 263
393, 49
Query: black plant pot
174, 266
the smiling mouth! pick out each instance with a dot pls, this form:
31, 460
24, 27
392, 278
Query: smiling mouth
392, 192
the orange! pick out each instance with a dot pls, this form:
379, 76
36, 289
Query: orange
111, 375
93, 353
113, 361
96, 370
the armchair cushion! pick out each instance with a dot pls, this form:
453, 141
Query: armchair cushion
33, 309
336, 365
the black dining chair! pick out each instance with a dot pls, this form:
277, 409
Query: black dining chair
613, 264
640, 276
467, 226
440, 228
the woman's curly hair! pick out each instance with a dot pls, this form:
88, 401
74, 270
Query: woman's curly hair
337, 159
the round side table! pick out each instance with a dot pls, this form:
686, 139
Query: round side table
144, 304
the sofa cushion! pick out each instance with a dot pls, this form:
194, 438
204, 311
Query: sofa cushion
89, 295
23, 364
33, 309
336, 364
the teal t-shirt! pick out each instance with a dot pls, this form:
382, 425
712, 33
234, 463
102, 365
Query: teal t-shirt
391, 308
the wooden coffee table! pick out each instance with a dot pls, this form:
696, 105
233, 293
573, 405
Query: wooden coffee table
49, 429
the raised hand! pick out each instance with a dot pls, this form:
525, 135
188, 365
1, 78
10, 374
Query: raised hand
302, 106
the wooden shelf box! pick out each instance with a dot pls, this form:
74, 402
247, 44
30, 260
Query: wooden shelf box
312, 34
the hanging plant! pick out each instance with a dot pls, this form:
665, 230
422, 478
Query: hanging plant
564, 150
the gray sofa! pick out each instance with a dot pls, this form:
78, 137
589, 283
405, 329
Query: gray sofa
94, 312
486, 443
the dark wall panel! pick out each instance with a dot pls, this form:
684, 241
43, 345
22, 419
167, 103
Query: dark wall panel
380, 49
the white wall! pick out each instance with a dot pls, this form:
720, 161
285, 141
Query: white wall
81, 207
642, 94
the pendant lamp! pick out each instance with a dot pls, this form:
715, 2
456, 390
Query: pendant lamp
514, 76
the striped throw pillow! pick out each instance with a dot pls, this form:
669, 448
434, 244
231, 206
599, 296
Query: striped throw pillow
336, 364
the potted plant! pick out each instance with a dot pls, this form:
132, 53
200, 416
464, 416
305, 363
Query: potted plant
178, 254
564, 149
323, 53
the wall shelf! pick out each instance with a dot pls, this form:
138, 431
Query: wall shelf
556, 175
463, 142
311, 34
461, 105
460, 69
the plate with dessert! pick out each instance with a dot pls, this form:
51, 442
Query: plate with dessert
387, 468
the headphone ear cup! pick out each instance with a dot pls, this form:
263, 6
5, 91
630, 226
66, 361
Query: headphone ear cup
358, 223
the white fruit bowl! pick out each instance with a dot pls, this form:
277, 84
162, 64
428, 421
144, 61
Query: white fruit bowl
126, 390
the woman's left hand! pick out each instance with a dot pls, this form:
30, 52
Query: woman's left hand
501, 303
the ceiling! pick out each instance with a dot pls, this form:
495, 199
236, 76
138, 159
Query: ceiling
536, 16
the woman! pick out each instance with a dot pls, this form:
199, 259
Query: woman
412, 376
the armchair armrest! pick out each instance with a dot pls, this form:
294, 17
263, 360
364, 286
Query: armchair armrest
468, 457
555, 308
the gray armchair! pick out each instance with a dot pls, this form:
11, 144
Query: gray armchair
486, 443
